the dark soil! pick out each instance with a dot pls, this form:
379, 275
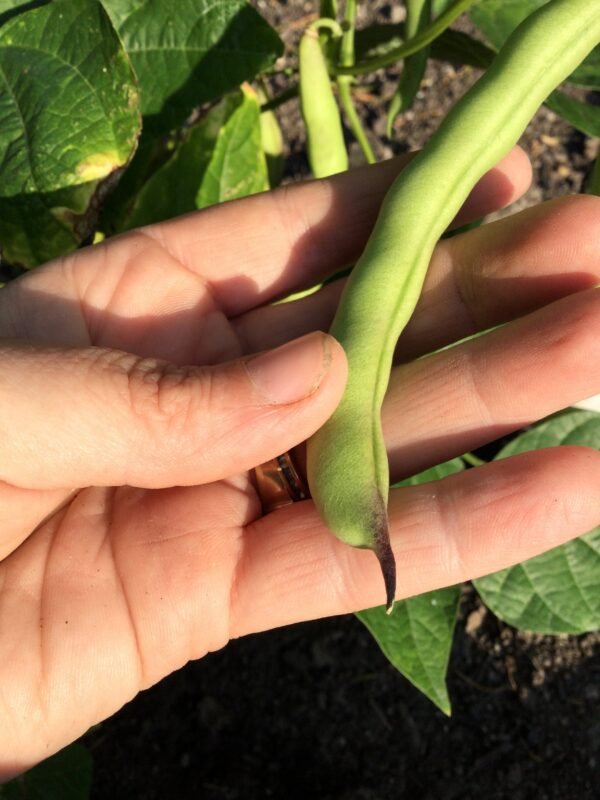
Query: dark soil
315, 710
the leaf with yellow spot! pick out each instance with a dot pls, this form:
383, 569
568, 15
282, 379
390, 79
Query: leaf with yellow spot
69, 119
98, 166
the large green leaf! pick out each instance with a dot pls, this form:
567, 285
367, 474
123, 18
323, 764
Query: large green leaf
559, 591
64, 776
498, 18
417, 636
221, 158
68, 119
192, 51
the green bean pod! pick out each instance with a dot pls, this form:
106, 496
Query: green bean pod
326, 147
347, 461
271, 140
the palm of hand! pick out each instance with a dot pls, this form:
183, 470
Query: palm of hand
111, 562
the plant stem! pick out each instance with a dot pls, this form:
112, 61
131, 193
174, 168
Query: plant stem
328, 8
354, 121
280, 99
329, 24
418, 16
347, 46
415, 44
344, 82
473, 460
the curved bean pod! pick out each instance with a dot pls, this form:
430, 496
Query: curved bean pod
347, 460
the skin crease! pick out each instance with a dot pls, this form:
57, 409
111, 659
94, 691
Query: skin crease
105, 590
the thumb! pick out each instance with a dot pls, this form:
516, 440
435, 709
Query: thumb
97, 417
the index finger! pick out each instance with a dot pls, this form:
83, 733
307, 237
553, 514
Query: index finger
253, 250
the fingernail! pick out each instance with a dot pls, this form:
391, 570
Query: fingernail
293, 371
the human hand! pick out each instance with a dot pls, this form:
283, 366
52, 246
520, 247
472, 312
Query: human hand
105, 590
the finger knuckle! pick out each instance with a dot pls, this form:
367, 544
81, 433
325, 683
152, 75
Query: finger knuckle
163, 395
576, 337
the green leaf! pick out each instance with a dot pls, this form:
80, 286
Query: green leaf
65, 776
221, 158
238, 165
451, 45
433, 473
460, 48
191, 52
10, 8
151, 154
417, 637
498, 18
558, 591
377, 40
68, 119
583, 116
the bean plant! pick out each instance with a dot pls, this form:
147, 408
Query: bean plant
119, 113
